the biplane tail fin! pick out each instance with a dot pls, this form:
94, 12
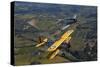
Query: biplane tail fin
75, 16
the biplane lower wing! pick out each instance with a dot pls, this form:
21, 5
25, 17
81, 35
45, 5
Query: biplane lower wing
60, 41
54, 54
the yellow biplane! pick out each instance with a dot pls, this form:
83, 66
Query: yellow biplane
54, 47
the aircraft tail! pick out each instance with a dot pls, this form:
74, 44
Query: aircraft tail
68, 39
42, 43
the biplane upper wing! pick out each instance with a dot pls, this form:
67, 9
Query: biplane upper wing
61, 40
68, 39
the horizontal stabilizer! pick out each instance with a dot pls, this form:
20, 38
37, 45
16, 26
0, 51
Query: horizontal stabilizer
42, 43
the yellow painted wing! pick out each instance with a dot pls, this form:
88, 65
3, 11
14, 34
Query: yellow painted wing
68, 39
40, 44
61, 40
54, 54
